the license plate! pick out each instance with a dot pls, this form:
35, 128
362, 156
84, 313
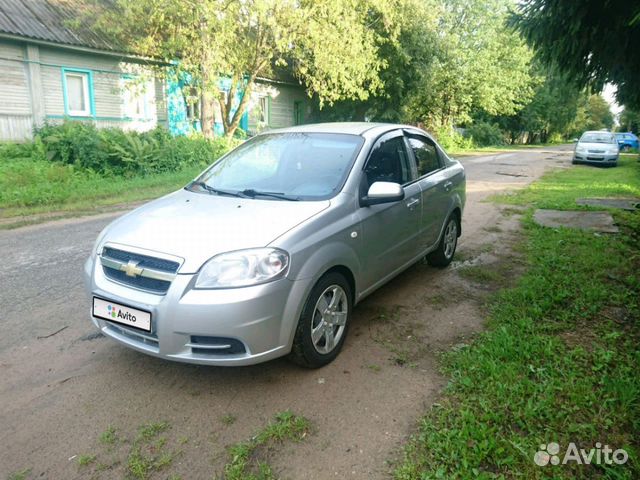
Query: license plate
114, 312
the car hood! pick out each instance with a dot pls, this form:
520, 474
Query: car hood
197, 226
598, 146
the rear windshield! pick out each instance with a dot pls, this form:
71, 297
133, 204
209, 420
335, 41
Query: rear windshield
597, 137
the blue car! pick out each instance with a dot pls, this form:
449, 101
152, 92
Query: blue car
627, 141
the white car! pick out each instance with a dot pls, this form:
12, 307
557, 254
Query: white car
597, 148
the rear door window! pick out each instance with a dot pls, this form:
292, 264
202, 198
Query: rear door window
426, 153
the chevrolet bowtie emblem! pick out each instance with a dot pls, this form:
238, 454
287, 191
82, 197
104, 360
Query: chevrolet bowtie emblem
131, 269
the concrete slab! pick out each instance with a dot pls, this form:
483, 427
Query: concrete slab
593, 221
623, 203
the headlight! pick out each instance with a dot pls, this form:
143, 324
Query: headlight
580, 149
612, 151
243, 268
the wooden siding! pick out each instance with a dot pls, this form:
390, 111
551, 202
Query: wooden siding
14, 90
16, 110
282, 109
15, 127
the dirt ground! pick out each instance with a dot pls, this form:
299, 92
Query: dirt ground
60, 393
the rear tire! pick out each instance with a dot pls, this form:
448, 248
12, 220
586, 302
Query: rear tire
324, 322
442, 256
626, 148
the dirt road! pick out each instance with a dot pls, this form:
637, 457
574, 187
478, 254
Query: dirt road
58, 393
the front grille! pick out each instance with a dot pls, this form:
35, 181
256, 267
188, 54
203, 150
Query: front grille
144, 261
153, 285
202, 345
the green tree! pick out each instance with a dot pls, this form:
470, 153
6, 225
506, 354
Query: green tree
405, 60
550, 113
593, 41
593, 113
630, 120
329, 45
480, 64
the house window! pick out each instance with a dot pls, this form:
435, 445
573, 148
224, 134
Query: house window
136, 96
264, 110
77, 93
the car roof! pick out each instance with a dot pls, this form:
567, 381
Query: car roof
365, 129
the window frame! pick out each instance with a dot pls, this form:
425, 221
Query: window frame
383, 138
87, 90
428, 141
142, 97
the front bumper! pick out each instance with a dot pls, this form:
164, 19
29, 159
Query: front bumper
595, 158
189, 325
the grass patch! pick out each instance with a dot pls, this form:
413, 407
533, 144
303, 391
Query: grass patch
559, 360
84, 460
559, 189
139, 457
228, 419
109, 436
31, 188
481, 274
476, 151
246, 457
20, 474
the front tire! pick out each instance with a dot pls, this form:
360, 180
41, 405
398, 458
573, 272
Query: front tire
442, 256
324, 322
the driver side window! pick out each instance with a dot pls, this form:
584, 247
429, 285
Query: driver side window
389, 162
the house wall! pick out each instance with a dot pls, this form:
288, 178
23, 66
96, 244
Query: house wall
282, 106
18, 105
281, 110
15, 106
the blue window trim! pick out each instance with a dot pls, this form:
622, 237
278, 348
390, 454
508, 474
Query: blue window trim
89, 74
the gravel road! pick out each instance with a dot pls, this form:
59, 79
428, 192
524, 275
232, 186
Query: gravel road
60, 391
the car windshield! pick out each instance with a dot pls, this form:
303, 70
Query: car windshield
283, 166
597, 137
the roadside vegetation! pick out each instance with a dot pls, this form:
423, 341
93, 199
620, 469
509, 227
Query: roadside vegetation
76, 167
152, 450
558, 362
248, 460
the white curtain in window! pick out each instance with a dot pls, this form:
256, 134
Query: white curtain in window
76, 93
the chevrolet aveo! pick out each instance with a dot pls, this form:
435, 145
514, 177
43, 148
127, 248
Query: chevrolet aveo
267, 252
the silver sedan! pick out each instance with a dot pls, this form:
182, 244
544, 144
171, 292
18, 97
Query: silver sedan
268, 251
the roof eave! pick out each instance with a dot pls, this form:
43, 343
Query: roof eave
83, 49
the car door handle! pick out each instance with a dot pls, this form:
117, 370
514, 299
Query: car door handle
447, 185
413, 203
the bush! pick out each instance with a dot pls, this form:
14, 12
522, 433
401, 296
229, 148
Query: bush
484, 134
450, 139
113, 151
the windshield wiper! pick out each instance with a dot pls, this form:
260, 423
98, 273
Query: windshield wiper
250, 192
217, 191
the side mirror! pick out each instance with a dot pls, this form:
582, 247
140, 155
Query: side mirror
575, 140
383, 192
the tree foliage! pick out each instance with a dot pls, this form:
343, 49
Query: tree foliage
479, 65
330, 45
630, 120
593, 41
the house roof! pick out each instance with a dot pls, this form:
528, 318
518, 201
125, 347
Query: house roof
57, 21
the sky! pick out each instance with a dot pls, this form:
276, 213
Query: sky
609, 95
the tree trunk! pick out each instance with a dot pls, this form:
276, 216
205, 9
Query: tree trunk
232, 124
207, 118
